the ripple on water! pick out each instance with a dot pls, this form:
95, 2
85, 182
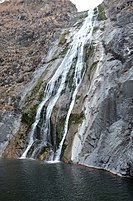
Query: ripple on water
30, 180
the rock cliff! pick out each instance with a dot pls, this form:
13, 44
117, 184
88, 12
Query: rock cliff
104, 139
27, 30
100, 129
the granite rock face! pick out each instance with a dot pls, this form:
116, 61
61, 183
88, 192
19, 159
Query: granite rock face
104, 139
27, 30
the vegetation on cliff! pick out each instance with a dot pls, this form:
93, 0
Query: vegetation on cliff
27, 30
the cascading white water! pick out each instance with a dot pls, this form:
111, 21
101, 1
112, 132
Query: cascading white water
52, 93
84, 35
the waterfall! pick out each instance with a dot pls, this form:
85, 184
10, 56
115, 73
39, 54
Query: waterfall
56, 85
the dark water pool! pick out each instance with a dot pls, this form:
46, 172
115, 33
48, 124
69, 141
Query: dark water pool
26, 180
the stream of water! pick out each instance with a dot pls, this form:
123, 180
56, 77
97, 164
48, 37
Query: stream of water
55, 87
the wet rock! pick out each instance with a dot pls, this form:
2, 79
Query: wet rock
104, 139
27, 29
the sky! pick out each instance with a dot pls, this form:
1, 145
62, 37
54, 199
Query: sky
83, 5
1, 1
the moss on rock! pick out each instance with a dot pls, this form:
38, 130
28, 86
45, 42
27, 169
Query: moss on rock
88, 53
60, 129
75, 118
101, 13
43, 153
62, 39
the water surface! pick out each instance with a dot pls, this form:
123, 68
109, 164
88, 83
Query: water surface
27, 180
